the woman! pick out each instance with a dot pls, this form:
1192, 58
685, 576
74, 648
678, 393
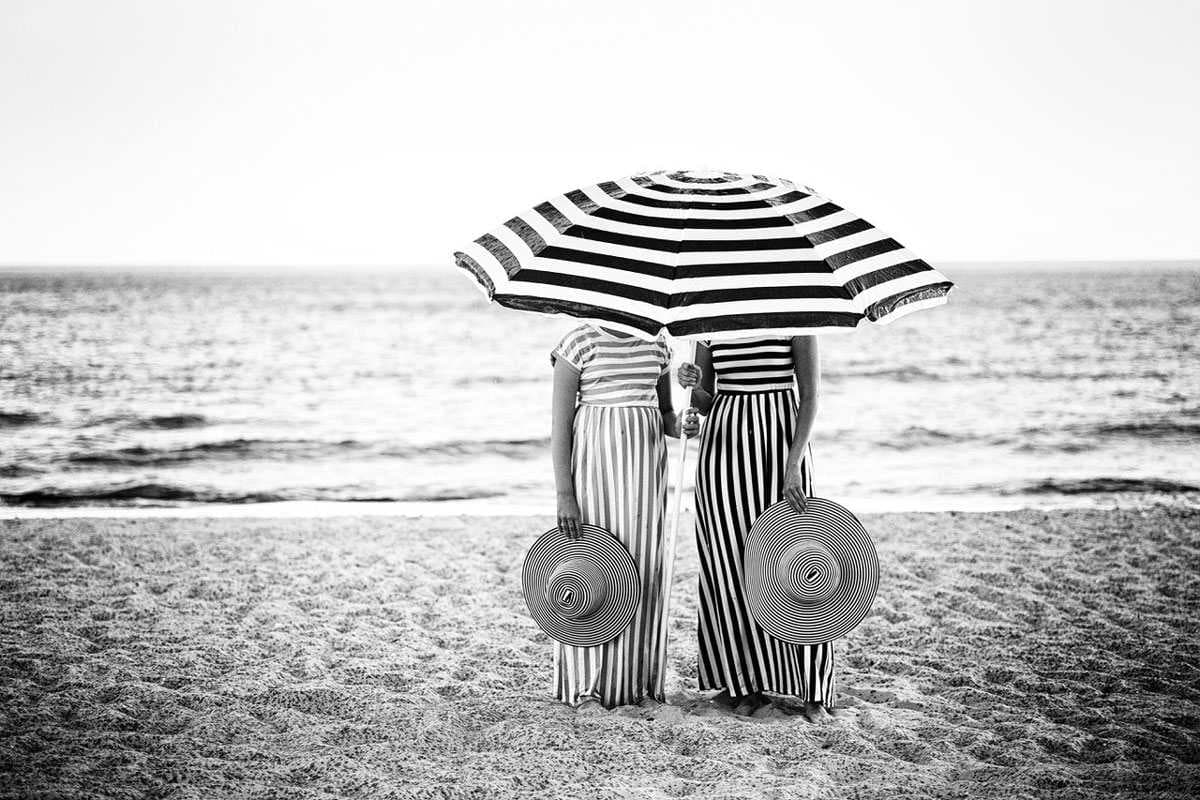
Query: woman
610, 466
754, 452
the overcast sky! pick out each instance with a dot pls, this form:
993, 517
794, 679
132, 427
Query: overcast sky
280, 133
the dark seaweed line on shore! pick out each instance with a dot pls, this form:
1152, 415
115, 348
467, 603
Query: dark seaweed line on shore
171, 494
291, 449
150, 494
1097, 485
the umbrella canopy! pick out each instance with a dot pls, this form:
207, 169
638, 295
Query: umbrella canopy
702, 255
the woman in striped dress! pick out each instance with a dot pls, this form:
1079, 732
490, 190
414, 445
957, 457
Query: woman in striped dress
754, 452
610, 466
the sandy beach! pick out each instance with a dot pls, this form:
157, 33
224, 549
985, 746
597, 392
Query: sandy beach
1009, 655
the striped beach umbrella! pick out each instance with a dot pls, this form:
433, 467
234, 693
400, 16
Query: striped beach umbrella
702, 255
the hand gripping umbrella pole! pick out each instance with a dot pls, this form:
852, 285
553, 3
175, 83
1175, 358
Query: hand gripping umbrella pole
668, 574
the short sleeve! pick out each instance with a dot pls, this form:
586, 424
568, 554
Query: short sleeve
665, 355
575, 348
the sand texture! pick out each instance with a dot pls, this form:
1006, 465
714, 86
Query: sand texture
1009, 655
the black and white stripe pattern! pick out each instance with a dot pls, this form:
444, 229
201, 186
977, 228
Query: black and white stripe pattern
581, 592
753, 365
619, 463
743, 453
702, 255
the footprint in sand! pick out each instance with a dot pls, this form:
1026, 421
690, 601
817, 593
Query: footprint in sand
871, 695
773, 712
665, 713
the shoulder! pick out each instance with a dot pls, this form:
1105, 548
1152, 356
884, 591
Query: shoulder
575, 347
580, 336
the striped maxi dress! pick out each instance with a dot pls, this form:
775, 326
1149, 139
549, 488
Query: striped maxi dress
619, 465
743, 455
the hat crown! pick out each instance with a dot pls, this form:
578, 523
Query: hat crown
577, 588
811, 577
808, 572
583, 590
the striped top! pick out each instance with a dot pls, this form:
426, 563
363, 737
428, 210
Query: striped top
753, 365
614, 370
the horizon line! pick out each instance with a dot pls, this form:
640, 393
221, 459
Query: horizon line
232, 266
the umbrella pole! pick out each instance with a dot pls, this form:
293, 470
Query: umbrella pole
668, 575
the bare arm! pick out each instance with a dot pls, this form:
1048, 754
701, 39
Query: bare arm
665, 404
562, 440
808, 384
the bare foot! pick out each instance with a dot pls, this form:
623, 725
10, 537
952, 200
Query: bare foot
741, 704
590, 708
748, 704
815, 712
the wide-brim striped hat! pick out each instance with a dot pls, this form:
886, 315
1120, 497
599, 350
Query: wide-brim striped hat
581, 592
811, 577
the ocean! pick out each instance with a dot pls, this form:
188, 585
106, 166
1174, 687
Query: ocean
1036, 385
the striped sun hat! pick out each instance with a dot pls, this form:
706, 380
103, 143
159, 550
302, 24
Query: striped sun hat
713, 255
581, 592
810, 577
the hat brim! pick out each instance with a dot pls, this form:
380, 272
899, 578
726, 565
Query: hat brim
832, 526
624, 586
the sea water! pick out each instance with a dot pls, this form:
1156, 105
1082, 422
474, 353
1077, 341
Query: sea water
1035, 384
